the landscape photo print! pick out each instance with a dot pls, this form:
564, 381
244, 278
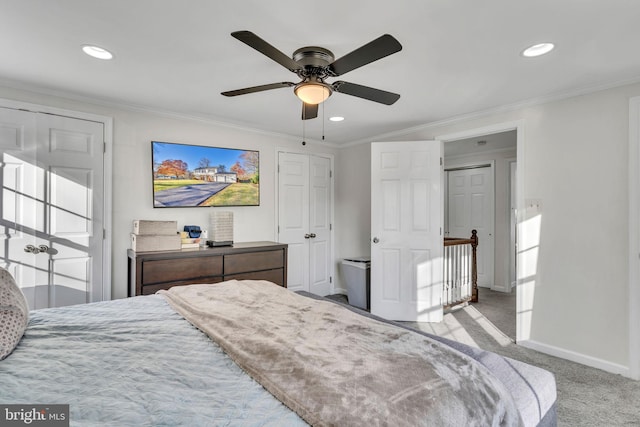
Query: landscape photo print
187, 175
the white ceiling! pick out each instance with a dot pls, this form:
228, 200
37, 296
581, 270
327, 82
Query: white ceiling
458, 57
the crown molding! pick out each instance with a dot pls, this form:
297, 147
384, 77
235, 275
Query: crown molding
101, 102
497, 110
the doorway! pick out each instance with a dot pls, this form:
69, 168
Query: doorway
496, 146
53, 228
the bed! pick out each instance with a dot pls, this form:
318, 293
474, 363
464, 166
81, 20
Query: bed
253, 353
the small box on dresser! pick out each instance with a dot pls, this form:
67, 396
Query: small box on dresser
146, 227
155, 242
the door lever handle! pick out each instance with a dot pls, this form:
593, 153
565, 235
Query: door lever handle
312, 235
306, 236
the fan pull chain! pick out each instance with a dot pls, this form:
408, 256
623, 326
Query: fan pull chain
323, 121
303, 134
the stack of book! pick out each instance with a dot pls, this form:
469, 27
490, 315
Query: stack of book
187, 242
155, 236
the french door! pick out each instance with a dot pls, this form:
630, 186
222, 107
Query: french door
52, 217
304, 220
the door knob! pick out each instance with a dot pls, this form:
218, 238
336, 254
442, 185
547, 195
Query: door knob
306, 236
40, 249
32, 249
312, 235
376, 240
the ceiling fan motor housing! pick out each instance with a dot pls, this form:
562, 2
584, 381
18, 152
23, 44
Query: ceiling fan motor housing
313, 56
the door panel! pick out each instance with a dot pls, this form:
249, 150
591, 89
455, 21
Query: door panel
21, 199
293, 216
320, 225
406, 220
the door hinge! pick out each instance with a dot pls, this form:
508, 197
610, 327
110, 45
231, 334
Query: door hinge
330, 174
441, 231
104, 233
278, 168
330, 279
278, 229
104, 147
330, 227
440, 161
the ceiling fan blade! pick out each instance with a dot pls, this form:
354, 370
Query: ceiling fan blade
252, 40
377, 49
257, 88
309, 111
366, 92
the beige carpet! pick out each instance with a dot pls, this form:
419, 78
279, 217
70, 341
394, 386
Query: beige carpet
586, 396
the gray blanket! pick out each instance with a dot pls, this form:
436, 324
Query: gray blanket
334, 367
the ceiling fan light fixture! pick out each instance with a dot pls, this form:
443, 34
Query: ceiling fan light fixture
312, 92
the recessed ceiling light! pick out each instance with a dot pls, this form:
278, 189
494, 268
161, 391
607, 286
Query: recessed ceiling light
97, 52
538, 49
336, 119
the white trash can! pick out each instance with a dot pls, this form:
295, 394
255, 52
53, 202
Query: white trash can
356, 274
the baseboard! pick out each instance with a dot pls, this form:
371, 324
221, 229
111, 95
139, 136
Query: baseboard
501, 289
573, 356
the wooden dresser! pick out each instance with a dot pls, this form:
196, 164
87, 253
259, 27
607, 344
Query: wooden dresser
149, 272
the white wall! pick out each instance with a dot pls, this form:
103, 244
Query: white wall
353, 205
132, 187
575, 161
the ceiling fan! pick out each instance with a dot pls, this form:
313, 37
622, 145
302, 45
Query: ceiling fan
314, 64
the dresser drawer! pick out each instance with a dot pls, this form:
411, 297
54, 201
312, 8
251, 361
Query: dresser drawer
180, 269
152, 289
253, 261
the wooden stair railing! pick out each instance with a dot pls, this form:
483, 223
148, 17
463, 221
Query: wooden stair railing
460, 284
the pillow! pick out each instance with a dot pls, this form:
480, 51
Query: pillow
14, 313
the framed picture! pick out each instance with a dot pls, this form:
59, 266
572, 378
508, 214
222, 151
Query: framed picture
201, 176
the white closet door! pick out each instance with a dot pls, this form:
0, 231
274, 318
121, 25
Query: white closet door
304, 220
52, 209
471, 207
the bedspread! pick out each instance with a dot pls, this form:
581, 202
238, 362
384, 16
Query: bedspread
133, 362
335, 367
